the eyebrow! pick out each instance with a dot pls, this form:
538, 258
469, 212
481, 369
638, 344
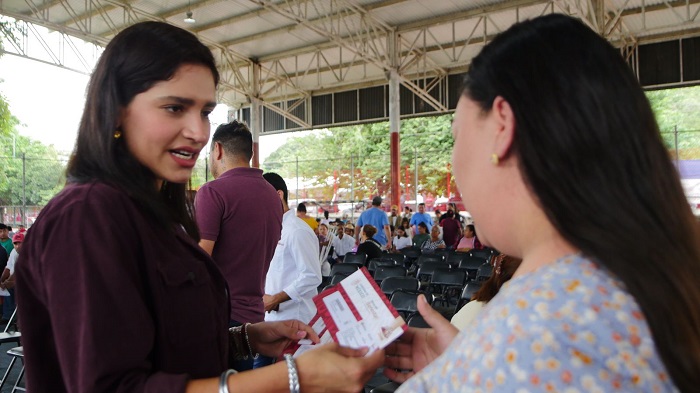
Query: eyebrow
187, 101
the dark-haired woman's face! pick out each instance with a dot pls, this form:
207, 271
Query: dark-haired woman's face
475, 139
167, 126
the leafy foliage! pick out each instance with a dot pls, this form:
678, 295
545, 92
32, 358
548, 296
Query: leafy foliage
336, 152
678, 114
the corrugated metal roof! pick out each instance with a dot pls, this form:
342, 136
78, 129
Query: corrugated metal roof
312, 45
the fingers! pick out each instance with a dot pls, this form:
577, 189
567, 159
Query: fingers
397, 376
349, 352
432, 317
304, 330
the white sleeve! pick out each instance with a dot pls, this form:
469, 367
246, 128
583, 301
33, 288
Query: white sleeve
304, 251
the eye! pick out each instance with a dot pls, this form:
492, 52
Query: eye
206, 113
174, 108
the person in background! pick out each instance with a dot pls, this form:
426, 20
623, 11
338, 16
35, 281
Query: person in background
368, 244
147, 310
421, 216
451, 229
239, 219
7, 280
503, 269
5, 240
559, 158
343, 243
434, 242
407, 213
301, 213
422, 236
295, 271
325, 219
469, 240
438, 216
394, 217
322, 235
401, 240
406, 225
376, 217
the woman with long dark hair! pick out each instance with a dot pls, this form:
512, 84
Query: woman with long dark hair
559, 159
115, 293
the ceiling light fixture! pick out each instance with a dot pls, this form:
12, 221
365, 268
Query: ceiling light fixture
188, 16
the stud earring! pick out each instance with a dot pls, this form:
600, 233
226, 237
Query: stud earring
494, 159
117, 134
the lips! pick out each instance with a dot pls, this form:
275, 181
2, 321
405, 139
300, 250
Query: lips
185, 155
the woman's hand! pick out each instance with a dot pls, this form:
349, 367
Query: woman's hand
416, 348
332, 368
270, 338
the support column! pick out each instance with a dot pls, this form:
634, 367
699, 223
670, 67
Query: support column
394, 120
256, 115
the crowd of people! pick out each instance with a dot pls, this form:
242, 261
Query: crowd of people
558, 158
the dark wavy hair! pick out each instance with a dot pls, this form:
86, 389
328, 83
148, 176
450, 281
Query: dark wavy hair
136, 58
589, 149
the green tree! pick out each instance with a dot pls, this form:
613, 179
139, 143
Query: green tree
328, 155
678, 114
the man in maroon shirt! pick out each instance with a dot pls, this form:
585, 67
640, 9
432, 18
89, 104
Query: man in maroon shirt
240, 220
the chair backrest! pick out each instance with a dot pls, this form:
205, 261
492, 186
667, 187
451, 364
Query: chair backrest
471, 263
411, 252
344, 268
405, 301
338, 277
427, 268
445, 276
485, 253
469, 290
484, 272
430, 258
380, 262
445, 252
389, 271
416, 320
390, 284
399, 258
355, 259
456, 257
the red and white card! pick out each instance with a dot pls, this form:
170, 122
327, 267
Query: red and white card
355, 313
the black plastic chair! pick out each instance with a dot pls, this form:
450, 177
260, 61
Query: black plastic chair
399, 258
390, 284
355, 259
484, 272
471, 264
338, 277
455, 258
380, 262
344, 268
446, 282
389, 271
485, 253
445, 252
417, 321
412, 252
430, 258
468, 292
406, 302
389, 387
425, 271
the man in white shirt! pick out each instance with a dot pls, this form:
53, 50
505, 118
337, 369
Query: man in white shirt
343, 243
295, 272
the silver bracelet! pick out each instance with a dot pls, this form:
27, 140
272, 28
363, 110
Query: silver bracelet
293, 374
247, 341
223, 382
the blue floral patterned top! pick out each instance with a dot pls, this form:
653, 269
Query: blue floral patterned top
567, 327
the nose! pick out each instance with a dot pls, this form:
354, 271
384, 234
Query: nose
197, 129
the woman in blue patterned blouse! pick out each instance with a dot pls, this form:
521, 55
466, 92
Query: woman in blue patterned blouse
559, 159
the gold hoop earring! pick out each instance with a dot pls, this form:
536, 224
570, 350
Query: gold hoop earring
494, 159
117, 134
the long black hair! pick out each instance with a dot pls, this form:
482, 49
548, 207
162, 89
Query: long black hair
136, 58
589, 149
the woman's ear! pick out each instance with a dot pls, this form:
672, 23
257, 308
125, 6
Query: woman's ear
505, 127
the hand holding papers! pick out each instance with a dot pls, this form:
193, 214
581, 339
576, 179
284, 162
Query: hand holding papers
354, 313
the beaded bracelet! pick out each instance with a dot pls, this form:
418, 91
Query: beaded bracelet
247, 341
293, 374
223, 382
